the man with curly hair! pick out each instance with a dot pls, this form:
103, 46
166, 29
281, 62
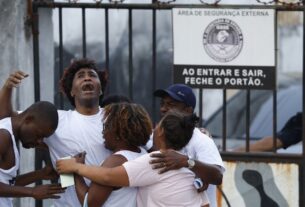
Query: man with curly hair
79, 129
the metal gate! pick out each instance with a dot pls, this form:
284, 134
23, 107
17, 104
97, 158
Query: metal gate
141, 79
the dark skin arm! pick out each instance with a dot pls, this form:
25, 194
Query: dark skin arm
13, 81
263, 145
37, 192
46, 173
80, 184
97, 194
173, 160
7, 161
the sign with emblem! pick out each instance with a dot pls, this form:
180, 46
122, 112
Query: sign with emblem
224, 48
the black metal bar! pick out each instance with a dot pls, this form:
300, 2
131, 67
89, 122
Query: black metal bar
36, 54
84, 32
61, 62
167, 6
262, 157
302, 166
200, 107
275, 91
224, 120
154, 62
107, 45
248, 120
130, 65
38, 161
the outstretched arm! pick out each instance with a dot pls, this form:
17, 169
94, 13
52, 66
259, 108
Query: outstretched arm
171, 160
37, 192
46, 173
263, 145
116, 176
6, 91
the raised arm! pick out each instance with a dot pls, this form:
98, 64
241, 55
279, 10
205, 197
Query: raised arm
6, 91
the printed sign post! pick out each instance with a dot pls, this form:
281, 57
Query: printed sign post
224, 48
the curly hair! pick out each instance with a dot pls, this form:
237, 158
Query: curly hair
67, 78
129, 121
178, 128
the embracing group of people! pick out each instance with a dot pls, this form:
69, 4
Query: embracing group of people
118, 157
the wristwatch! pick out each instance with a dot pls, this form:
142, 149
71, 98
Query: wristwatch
191, 163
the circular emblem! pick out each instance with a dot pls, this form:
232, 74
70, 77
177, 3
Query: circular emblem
223, 40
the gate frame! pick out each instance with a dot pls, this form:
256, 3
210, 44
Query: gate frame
227, 156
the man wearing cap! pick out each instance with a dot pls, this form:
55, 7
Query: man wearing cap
200, 154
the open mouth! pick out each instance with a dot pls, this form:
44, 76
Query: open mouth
87, 87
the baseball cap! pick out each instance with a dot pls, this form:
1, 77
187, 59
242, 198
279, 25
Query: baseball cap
178, 92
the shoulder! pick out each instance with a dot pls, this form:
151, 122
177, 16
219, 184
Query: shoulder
199, 137
114, 160
64, 113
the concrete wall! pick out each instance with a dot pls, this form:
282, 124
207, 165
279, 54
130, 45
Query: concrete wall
16, 54
16, 43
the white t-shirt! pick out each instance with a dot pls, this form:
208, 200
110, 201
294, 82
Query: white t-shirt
171, 189
202, 148
7, 175
77, 133
126, 196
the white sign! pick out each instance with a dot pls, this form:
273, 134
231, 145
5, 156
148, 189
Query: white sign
238, 43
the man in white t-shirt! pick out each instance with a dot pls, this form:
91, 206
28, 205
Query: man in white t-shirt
200, 154
78, 130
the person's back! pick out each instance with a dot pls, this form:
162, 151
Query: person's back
170, 189
125, 196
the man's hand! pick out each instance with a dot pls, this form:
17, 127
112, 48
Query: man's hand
15, 79
80, 157
168, 160
47, 191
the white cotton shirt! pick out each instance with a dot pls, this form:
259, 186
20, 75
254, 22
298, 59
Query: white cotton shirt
77, 133
202, 148
9, 174
125, 196
171, 189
